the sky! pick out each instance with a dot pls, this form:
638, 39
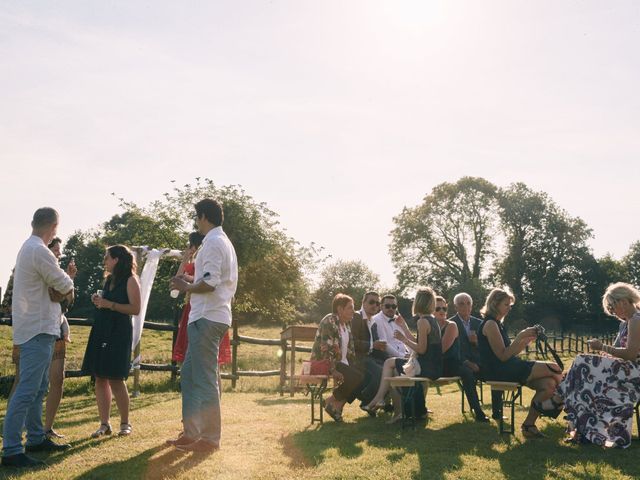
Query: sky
337, 114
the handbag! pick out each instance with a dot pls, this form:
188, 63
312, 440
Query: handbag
412, 367
320, 367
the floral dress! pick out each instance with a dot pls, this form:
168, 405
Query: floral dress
600, 393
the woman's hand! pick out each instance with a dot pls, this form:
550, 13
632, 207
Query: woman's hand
399, 336
100, 302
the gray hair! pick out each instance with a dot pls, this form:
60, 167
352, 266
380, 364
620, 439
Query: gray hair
460, 296
44, 217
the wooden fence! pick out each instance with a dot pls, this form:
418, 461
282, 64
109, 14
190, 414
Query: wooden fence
236, 340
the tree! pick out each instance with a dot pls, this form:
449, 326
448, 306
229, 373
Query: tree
448, 239
631, 262
353, 278
547, 258
272, 286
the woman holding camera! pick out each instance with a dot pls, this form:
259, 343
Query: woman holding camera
108, 354
500, 357
600, 391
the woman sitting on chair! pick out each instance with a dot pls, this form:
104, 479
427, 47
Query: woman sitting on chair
500, 356
334, 342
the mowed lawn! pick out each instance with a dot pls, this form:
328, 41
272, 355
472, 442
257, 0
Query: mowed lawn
268, 436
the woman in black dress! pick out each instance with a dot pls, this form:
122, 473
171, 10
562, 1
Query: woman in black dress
108, 354
500, 361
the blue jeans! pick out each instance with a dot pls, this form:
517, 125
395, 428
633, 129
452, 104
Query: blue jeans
199, 381
25, 405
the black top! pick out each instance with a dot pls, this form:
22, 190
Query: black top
108, 353
431, 360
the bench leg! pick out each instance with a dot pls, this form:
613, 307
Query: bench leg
316, 392
459, 382
407, 406
637, 412
509, 400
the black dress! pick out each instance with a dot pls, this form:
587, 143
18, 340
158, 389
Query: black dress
108, 353
513, 369
431, 360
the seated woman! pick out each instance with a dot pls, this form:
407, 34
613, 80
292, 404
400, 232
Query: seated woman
334, 343
600, 391
427, 347
452, 363
500, 357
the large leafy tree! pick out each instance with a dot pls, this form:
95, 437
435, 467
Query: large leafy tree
272, 285
352, 277
547, 258
631, 262
446, 241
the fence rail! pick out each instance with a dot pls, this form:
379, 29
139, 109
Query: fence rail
173, 368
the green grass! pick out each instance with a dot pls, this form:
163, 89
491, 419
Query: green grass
266, 436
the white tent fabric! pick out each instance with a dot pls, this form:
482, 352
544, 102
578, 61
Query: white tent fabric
146, 282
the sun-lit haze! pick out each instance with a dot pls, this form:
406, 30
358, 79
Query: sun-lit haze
337, 114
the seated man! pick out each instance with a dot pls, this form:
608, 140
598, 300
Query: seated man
385, 324
369, 352
467, 334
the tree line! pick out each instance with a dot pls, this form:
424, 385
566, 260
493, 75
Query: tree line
465, 236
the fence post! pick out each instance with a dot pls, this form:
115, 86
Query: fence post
234, 354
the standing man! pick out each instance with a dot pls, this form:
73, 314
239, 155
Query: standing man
36, 325
468, 327
212, 290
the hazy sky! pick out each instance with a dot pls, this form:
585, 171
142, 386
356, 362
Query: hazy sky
337, 114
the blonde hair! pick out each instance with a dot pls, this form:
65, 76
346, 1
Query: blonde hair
620, 291
495, 297
425, 301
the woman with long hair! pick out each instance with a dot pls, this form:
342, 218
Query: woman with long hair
108, 354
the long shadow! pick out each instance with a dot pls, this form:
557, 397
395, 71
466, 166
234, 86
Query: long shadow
167, 465
268, 402
441, 452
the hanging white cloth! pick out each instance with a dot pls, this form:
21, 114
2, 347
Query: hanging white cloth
146, 282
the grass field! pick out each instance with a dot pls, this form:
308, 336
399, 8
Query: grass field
267, 436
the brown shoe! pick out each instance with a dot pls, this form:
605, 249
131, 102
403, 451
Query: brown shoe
181, 440
200, 446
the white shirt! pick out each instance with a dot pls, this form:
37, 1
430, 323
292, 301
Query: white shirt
32, 310
344, 343
395, 347
216, 263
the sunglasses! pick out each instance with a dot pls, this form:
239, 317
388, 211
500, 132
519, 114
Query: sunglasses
441, 309
374, 302
390, 306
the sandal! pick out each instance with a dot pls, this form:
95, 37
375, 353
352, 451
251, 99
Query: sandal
395, 419
51, 433
548, 408
333, 413
372, 410
105, 429
531, 431
125, 429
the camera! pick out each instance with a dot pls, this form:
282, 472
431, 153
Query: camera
540, 332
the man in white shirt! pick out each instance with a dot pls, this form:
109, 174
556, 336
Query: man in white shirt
212, 291
36, 325
388, 322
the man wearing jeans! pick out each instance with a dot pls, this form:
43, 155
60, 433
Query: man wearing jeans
212, 290
36, 325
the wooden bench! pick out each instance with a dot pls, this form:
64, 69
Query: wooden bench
511, 392
407, 387
315, 386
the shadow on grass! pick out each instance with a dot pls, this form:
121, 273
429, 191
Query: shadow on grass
443, 452
144, 465
268, 402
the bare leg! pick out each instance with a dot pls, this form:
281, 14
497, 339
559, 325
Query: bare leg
56, 379
388, 370
119, 389
544, 389
103, 398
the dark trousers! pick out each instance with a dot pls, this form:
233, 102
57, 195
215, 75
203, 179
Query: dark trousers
372, 375
351, 384
456, 369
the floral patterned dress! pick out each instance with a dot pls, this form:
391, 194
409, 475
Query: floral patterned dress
599, 394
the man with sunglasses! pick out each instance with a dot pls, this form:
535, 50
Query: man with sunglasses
387, 322
370, 352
